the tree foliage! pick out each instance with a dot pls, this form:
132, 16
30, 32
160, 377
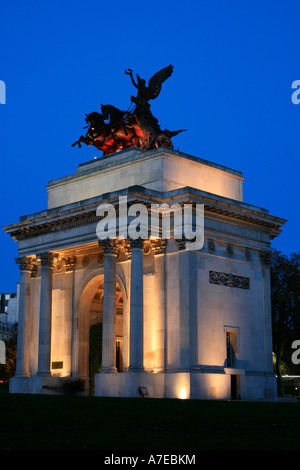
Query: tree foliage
285, 297
8, 369
95, 353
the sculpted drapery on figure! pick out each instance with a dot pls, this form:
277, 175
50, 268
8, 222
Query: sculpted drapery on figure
114, 129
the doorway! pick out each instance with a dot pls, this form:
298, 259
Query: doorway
235, 387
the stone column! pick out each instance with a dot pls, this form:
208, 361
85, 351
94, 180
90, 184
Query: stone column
69, 293
160, 320
266, 261
45, 315
109, 307
136, 357
188, 315
26, 268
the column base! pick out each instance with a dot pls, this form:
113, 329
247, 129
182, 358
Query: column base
43, 374
135, 369
108, 370
21, 374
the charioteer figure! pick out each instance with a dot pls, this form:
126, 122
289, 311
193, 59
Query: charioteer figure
147, 93
135, 128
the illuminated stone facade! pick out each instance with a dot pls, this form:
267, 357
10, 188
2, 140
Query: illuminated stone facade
182, 323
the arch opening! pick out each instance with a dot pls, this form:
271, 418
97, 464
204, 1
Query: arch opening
91, 331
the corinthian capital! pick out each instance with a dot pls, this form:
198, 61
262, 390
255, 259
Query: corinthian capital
47, 259
26, 263
136, 244
109, 246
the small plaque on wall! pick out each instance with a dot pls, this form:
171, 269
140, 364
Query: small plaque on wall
57, 365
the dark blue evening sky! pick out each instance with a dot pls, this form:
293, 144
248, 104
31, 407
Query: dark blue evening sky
234, 64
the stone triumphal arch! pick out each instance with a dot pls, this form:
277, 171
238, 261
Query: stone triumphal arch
189, 323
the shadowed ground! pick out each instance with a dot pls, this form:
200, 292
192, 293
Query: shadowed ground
44, 422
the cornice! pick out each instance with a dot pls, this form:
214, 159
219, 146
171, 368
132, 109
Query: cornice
215, 208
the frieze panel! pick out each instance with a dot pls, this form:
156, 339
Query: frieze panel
229, 280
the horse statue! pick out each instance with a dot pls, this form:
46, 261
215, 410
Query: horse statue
113, 129
119, 126
99, 135
97, 130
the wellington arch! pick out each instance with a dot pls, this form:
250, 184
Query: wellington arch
176, 322
149, 312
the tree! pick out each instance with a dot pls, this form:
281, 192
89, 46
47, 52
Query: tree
8, 369
285, 297
95, 353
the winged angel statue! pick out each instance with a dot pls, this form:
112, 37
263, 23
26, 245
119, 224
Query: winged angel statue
113, 129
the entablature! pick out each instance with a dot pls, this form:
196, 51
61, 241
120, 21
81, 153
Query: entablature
76, 214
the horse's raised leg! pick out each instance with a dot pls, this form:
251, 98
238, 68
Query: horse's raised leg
78, 142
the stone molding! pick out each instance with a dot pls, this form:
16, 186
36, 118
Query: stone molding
211, 246
229, 250
34, 270
70, 263
159, 246
181, 244
100, 258
67, 263
147, 248
85, 261
126, 249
